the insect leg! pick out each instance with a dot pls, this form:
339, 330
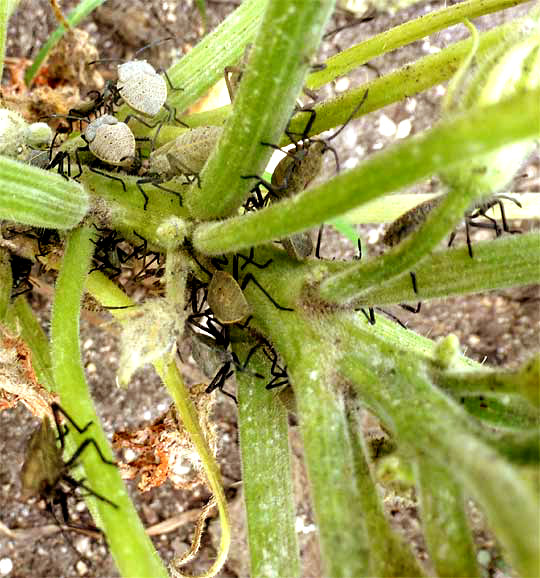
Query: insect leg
72, 482
63, 431
80, 450
109, 176
249, 277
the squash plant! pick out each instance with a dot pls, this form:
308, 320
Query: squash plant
337, 362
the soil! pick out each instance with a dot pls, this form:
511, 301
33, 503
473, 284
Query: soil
499, 327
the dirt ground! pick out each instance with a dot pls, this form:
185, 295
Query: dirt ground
498, 327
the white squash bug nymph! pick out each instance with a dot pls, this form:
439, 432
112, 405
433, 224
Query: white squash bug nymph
141, 87
144, 90
111, 141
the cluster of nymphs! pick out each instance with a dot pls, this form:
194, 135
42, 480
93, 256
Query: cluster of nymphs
220, 315
110, 143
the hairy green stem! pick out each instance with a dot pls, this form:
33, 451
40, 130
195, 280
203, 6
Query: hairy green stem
444, 520
39, 198
170, 374
201, 68
478, 131
277, 69
108, 294
22, 319
506, 262
403, 34
427, 421
266, 476
130, 547
389, 555
406, 81
347, 285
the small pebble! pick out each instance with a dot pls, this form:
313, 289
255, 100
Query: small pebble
6, 566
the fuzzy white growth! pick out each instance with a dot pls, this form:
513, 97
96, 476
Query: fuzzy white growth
13, 129
143, 89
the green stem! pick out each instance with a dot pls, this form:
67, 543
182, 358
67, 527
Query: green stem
389, 555
507, 411
406, 81
406, 33
32, 196
390, 207
321, 412
506, 262
477, 132
172, 379
108, 294
444, 521
131, 548
21, 318
344, 286
523, 381
201, 68
340, 517
266, 476
273, 79
427, 421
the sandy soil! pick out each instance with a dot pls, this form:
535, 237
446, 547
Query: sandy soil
500, 327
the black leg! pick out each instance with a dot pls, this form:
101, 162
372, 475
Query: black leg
249, 277
370, 317
80, 484
468, 234
80, 450
139, 186
172, 115
62, 432
393, 317
319, 239
98, 172
249, 260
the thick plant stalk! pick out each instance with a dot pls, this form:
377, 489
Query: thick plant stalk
329, 456
323, 422
266, 476
39, 198
130, 547
387, 368
274, 77
444, 520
